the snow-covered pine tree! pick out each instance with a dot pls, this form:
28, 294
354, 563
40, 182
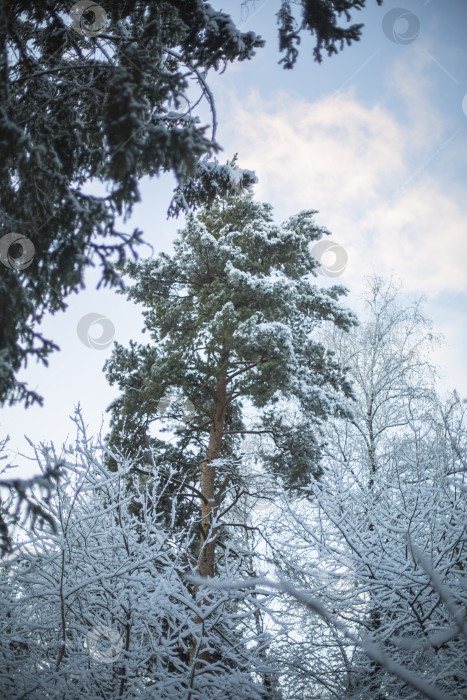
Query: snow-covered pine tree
231, 316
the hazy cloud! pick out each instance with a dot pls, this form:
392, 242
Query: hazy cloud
366, 167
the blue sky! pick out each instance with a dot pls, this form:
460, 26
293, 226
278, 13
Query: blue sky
374, 138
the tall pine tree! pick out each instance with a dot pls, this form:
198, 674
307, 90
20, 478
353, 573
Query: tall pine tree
231, 316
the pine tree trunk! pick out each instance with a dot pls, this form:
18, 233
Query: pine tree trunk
206, 561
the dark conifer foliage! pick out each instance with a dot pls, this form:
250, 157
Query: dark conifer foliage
322, 18
109, 108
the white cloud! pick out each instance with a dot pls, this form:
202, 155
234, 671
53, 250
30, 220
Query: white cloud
363, 168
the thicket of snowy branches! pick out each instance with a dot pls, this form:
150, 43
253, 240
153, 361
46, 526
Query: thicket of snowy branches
388, 562
102, 609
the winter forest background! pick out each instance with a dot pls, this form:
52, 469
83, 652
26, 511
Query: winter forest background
245, 470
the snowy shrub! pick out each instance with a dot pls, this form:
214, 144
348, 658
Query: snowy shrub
102, 609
